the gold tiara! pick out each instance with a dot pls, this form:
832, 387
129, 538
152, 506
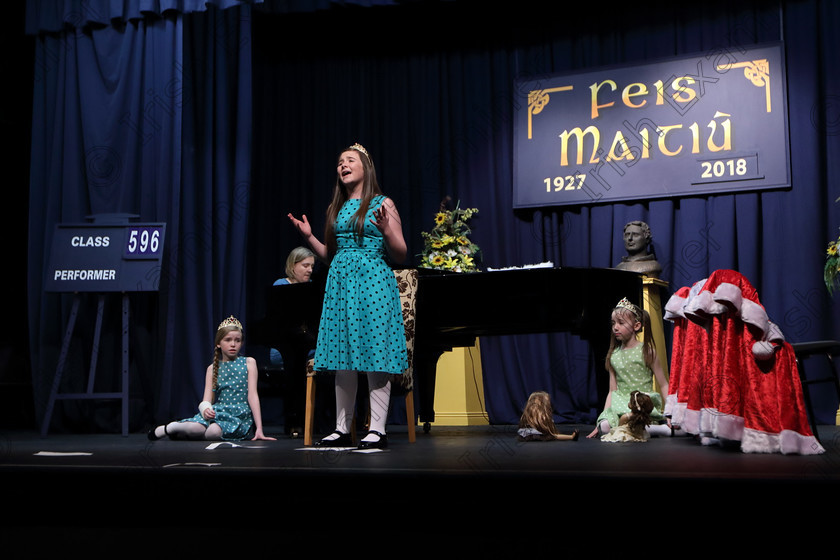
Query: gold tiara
625, 304
230, 322
360, 148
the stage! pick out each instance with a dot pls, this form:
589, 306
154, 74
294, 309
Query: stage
114, 486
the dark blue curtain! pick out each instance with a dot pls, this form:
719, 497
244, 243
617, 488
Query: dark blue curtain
220, 118
428, 89
106, 138
147, 114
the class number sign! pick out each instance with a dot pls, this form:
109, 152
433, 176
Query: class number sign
106, 258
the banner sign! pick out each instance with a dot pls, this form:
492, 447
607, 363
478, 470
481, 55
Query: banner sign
694, 125
105, 258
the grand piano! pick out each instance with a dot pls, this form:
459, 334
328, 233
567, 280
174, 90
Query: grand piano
503, 302
517, 301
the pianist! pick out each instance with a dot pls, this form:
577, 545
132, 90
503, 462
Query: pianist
299, 266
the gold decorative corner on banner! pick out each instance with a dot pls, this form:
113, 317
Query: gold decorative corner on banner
538, 99
757, 71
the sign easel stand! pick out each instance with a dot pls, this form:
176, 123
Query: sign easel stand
90, 394
111, 255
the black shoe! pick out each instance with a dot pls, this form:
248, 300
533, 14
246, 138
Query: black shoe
381, 443
152, 435
343, 440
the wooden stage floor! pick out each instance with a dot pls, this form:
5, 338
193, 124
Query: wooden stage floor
107, 484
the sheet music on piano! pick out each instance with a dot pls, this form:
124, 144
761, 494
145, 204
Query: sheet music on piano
547, 264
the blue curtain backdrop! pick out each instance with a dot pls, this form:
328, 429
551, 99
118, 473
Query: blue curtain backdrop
148, 114
242, 109
429, 92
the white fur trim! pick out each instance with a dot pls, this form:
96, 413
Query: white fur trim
774, 333
729, 294
763, 350
754, 314
750, 311
787, 442
702, 307
674, 308
715, 428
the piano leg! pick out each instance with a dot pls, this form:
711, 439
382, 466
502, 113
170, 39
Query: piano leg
425, 374
599, 350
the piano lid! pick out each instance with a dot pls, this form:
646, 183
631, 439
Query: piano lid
523, 301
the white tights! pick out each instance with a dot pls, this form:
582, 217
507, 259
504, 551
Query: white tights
346, 383
190, 430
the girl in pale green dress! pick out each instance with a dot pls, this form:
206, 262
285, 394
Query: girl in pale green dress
632, 365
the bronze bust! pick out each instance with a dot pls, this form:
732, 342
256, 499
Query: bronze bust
637, 242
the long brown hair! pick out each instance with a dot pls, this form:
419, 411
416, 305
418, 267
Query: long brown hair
370, 189
537, 414
641, 405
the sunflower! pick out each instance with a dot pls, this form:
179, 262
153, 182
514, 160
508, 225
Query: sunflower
832, 266
448, 246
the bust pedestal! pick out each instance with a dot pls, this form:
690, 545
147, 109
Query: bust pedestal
652, 304
459, 391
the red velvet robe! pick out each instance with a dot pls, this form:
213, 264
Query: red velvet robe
733, 376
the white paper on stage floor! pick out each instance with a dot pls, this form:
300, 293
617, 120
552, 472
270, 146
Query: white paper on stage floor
334, 449
219, 444
63, 453
192, 465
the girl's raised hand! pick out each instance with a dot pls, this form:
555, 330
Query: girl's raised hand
303, 227
380, 218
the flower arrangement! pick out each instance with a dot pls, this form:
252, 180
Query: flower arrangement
448, 246
832, 265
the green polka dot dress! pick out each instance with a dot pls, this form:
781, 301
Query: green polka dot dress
361, 322
233, 414
631, 374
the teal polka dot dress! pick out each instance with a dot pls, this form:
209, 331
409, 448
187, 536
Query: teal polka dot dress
631, 374
361, 321
233, 414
